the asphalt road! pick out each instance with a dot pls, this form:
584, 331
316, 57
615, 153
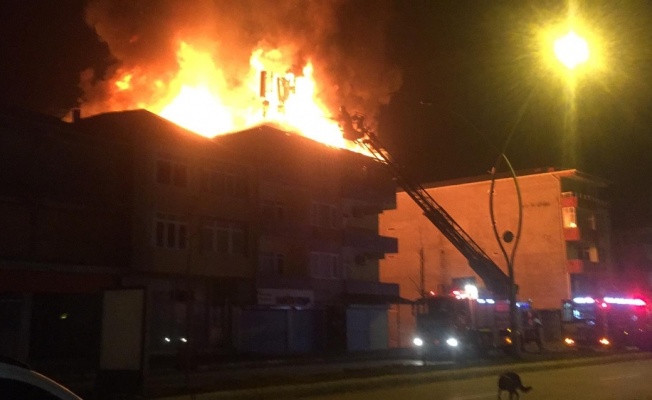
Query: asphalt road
630, 380
559, 378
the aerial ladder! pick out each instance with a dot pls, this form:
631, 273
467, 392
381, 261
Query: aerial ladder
495, 280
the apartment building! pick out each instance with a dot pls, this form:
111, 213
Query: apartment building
191, 230
563, 249
318, 247
64, 212
257, 241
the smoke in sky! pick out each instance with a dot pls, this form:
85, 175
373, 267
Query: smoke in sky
344, 40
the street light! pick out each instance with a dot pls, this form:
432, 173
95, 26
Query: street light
572, 50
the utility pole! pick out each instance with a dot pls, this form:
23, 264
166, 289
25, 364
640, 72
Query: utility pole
422, 274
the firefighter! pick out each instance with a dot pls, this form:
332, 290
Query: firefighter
533, 330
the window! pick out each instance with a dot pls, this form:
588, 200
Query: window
590, 252
323, 215
169, 172
569, 218
592, 222
170, 231
323, 265
270, 263
272, 210
225, 183
226, 237
585, 251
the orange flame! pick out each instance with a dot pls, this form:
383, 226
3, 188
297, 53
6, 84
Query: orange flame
199, 97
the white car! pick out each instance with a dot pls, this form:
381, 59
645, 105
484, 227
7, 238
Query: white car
18, 381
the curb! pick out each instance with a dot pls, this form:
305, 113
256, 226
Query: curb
357, 384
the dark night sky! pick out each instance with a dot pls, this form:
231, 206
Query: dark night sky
470, 77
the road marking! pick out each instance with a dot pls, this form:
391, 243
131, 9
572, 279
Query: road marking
613, 378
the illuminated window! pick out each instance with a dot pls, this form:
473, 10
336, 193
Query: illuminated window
569, 217
323, 265
171, 172
226, 237
170, 231
587, 252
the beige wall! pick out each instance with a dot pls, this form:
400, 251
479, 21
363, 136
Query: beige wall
540, 263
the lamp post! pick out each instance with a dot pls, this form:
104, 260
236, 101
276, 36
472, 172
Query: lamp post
509, 237
572, 51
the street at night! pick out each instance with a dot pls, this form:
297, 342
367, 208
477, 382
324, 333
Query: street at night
626, 380
348, 199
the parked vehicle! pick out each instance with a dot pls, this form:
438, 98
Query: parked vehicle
457, 326
607, 323
18, 381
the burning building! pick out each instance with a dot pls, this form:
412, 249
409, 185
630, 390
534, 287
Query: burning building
228, 236
257, 241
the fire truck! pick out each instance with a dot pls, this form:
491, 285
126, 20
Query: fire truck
461, 325
607, 323
441, 319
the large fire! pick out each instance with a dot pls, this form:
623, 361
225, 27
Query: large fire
198, 96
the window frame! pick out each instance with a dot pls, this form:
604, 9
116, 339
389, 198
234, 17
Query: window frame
324, 265
170, 231
170, 171
235, 234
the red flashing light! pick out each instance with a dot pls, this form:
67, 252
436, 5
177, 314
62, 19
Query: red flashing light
625, 301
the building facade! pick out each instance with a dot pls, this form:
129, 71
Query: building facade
318, 247
255, 242
563, 249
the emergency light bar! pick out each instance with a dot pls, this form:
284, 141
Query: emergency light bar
610, 300
584, 300
629, 302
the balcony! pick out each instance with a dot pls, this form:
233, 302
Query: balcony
578, 266
369, 241
572, 234
575, 266
574, 199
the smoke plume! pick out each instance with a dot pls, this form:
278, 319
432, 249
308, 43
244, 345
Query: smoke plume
343, 39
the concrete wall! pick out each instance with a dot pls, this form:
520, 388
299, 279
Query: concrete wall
540, 263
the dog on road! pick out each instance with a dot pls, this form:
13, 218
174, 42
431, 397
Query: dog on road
511, 383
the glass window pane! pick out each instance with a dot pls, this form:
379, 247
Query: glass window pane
163, 172
182, 236
160, 234
180, 175
171, 235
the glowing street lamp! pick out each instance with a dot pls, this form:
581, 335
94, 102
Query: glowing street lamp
572, 50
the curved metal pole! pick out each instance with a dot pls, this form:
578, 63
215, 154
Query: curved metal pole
517, 236
509, 259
